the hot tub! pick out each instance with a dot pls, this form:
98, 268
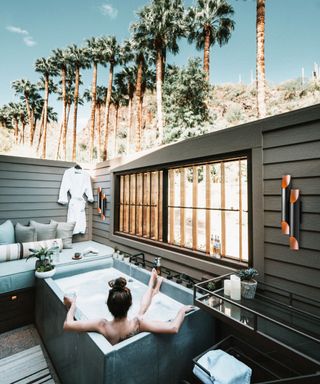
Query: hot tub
143, 359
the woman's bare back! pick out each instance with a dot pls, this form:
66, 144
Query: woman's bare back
118, 330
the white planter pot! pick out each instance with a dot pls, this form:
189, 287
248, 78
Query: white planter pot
248, 289
44, 275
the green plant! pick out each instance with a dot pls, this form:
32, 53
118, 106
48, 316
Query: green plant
43, 264
247, 274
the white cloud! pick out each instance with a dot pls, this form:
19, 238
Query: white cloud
109, 10
18, 30
28, 40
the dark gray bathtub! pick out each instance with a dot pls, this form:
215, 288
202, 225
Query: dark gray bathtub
84, 358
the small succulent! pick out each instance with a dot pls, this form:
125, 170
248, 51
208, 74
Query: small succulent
44, 255
247, 274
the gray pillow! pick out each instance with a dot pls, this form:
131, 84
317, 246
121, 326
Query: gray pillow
25, 234
44, 231
65, 232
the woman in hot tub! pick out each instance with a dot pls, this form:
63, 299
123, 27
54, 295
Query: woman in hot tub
119, 301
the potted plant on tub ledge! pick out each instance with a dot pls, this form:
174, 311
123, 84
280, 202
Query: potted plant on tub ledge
248, 283
44, 267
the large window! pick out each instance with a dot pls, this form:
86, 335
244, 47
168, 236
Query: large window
189, 207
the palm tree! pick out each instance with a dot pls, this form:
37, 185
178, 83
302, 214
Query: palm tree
13, 113
141, 50
28, 90
147, 83
60, 61
22, 117
100, 101
111, 55
128, 77
163, 23
95, 53
260, 62
38, 104
4, 120
209, 23
78, 60
46, 67
118, 99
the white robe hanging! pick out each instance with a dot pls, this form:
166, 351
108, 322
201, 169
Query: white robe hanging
77, 182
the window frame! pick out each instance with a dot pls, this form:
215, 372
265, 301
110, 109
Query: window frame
165, 198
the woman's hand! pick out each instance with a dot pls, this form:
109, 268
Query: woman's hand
187, 308
68, 301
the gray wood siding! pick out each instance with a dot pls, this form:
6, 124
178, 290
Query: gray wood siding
100, 227
293, 150
29, 190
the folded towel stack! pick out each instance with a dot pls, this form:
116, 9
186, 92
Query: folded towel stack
223, 368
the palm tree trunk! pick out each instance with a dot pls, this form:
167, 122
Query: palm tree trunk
64, 121
16, 130
139, 109
206, 53
93, 109
107, 112
159, 67
116, 130
40, 129
45, 123
260, 63
30, 118
99, 130
75, 114
23, 129
129, 133
59, 141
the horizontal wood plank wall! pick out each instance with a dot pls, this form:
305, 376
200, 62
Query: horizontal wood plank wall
293, 150
29, 190
100, 227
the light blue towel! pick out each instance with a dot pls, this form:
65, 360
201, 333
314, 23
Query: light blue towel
224, 369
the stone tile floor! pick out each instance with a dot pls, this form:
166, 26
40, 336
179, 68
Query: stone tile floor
19, 339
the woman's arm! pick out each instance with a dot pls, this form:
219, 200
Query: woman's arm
164, 326
80, 325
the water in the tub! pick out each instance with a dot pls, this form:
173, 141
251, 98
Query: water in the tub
92, 291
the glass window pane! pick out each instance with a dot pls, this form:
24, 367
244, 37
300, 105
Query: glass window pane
132, 204
215, 172
201, 230
232, 184
139, 204
232, 234
188, 228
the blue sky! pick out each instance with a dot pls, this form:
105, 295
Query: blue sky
32, 28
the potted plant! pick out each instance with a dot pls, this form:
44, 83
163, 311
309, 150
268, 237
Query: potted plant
248, 283
44, 267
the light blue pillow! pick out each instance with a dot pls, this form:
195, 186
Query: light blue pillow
7, 233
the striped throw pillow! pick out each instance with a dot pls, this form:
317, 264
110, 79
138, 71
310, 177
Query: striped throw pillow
38, 244
10, 252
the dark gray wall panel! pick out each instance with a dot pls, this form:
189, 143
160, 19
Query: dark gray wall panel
283, 253
292, 135
292, 153
293, 150
307, 168
311, 204
311, 221
308, 186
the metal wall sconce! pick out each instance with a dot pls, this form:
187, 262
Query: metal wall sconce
285, 203
290, 212
102, 203
294, 219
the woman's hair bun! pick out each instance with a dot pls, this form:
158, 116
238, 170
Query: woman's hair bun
118, 284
